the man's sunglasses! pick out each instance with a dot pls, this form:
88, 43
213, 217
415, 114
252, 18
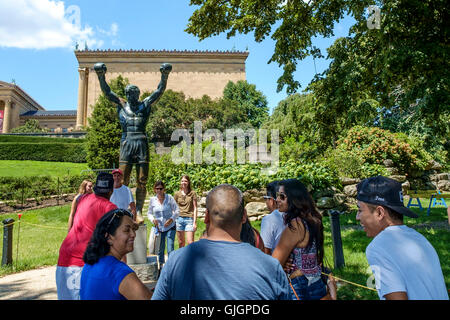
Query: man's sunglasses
268, 197
159, 188
282, 196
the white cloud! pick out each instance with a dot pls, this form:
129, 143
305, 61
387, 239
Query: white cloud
43, 24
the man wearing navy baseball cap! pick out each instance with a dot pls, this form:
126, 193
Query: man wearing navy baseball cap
404, 263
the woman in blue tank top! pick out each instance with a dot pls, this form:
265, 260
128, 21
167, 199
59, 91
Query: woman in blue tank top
105, 276
301, 241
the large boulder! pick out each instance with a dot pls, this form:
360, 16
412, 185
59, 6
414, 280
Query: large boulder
443, 176
256, 209
254, 195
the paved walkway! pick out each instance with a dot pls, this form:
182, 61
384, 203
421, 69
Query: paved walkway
38, 284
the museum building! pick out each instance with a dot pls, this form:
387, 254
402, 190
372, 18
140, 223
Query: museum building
195, 73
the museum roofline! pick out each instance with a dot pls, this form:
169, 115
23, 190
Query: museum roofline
163, 51
206, 54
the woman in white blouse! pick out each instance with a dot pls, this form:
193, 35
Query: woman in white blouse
163, 212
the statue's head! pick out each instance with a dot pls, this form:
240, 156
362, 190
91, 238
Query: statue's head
132, 92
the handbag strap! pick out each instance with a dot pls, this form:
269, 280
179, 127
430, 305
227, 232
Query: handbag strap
292, 287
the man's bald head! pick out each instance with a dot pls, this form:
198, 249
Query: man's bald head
225, 204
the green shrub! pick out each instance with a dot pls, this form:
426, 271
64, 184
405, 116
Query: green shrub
373, 145
59, 152
244, 176
351, 164
16, 188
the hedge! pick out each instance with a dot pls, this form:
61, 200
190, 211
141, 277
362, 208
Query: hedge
57, 151
38, 139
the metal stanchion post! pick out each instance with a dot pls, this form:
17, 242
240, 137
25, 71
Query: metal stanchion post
338, 252
8, 225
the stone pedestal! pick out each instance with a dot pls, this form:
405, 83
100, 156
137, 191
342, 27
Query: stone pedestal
146, 271
139, 254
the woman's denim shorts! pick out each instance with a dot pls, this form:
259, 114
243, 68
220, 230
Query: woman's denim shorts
185, 224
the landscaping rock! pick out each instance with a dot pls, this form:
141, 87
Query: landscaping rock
256, 209
201, 212
339, 198
443, 176
388, 163
436, 166
254, 195
350, 190
349, 181
398, 178
392, 171
202, 202
405, 187
443, 185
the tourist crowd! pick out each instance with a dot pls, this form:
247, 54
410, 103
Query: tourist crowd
232, 260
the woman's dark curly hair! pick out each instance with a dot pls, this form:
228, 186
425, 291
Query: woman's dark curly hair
98, 246
301, 205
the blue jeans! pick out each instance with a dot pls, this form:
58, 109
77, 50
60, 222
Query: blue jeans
315, 291
170, 235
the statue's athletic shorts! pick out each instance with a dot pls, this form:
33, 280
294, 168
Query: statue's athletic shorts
134, 149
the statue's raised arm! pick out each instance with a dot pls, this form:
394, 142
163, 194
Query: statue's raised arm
154, 97
100, 69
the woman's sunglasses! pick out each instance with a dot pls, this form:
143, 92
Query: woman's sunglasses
119, 213
282, 196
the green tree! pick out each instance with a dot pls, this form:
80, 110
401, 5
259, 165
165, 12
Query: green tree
405, 62
296, 23
30, 126
252, 101
104, 131
168, 114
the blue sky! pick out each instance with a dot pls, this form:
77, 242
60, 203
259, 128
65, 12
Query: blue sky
37, 39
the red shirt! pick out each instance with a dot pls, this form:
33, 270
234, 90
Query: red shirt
90, 209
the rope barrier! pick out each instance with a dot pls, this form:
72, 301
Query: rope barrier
349, 282
41, 226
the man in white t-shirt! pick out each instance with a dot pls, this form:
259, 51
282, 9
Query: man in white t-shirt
122, 196
272, 225
404, 263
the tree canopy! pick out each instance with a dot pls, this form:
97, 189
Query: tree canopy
404, 63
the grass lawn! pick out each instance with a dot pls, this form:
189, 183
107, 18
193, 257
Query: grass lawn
21, 168
42, 232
